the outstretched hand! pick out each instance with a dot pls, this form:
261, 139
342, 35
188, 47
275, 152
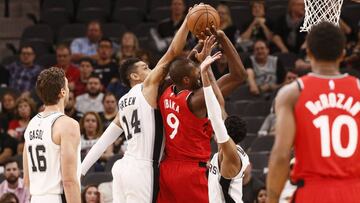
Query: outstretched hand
204, 66
208, 44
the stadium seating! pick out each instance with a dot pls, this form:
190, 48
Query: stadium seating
70, 31
128, 16
114, 31
253, 124
259, 160
248, 140
257, 109
262, 144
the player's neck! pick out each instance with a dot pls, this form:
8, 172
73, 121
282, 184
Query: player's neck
325, 68
53, 108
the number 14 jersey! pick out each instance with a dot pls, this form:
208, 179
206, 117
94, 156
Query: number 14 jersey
327, 116
142, 126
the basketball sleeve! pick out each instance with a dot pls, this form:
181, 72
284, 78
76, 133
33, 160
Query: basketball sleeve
107, 138
215, 116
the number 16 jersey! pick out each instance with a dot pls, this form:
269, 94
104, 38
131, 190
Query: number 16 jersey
43, 156
327, 116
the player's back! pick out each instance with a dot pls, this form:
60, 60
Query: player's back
43, 156
222, 189
187, 137
327, 128
142, 125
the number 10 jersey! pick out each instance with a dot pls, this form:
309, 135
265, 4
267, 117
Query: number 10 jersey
43, 156
327, 116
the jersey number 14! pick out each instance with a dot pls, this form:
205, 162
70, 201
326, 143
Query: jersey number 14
326, 130
135, 123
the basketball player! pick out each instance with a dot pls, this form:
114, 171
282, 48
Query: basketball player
319, 115
187, 129
51, 156
228, 165
136, 174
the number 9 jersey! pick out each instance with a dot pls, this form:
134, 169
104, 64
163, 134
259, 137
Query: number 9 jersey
327, 115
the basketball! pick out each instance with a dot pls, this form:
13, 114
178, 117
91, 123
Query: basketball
201, 17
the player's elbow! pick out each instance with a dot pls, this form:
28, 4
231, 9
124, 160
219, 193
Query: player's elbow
70, 183
279, 156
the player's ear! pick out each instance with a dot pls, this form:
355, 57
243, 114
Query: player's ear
62, 93
309, 53
134, 76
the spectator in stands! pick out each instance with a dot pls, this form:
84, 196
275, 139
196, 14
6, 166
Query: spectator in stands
25, 110
86, 70
87, 46
146, 57
129, 45
9, 197
251, 185
90, 194
13, 183
261, 195
106, 67
63, 58
353, 60
70, 109
167, 28
8, 147
258, 28
23, 73
118, 89
8, 104
226, 23
266, 73
110, 109
287, 35
92, 99
91, 129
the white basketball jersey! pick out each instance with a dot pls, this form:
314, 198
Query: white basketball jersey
142, 126
43, 156
226, 190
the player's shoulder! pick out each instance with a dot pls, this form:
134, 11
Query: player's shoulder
66, 122
289, 93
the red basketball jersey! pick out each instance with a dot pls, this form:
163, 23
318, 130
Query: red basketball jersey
187, 137
327, 116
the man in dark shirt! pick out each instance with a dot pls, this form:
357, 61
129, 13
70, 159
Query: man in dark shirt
105, 67
287, 35
8, 147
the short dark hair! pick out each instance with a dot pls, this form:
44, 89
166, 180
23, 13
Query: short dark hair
63, 46
49, 84
326, 41
87, 59
94, 22
263, 41
126, 68
108, 94
236, 128
27, 46
106, 39
10, 161
7, 197
179, 68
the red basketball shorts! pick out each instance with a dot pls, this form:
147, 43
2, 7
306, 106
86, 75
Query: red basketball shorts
183, 181
329, 191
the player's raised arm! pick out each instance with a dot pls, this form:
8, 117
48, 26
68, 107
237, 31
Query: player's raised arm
69, 131
175, 49
112, 132
284, 139
237, 73
230, 162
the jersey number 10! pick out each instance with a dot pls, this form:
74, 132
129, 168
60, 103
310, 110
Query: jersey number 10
323, 123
